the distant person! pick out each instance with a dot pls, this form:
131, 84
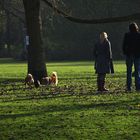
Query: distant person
131, 49
103, 60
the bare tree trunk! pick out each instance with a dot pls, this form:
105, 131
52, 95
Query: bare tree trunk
36, 56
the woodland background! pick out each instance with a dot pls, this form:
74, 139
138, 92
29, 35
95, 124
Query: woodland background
62, 39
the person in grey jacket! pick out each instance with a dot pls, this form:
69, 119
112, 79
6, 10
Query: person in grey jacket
103, 58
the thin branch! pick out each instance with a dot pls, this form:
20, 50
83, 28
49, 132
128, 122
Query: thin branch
15, 15
12, 13
135, 16
17, 10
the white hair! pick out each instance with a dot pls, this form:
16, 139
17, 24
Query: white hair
104, 34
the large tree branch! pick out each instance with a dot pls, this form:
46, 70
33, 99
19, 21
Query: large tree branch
131, 17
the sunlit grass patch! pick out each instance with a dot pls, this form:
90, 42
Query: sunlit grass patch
73, 110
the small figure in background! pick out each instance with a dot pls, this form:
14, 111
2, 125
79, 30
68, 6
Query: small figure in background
131, 49
103, 60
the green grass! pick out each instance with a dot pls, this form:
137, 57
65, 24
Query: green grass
71, 111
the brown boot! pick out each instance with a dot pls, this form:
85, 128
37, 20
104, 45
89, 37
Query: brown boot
103, 86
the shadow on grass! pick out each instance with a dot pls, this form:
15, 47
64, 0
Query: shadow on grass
14, 116
45, 94
107, 107
34, 97
121, 105
7, 80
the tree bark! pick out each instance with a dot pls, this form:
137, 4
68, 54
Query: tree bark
36, 56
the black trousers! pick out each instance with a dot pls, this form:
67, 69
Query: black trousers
101, 76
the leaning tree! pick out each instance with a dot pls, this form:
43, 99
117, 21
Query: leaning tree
36, 59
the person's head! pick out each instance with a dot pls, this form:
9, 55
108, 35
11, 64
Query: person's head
133, 27
103, 36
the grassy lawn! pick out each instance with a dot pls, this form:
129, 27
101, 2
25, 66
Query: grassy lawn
71, 111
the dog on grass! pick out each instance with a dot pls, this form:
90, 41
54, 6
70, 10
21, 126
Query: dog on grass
52, 80
29, 80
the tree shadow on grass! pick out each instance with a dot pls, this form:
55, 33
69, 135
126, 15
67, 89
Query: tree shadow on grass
34, 97
14, 116
44, 95
10, 80
108, 107
13, 83
121, 105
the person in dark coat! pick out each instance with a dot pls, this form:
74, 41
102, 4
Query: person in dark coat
131, 49
103, 56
